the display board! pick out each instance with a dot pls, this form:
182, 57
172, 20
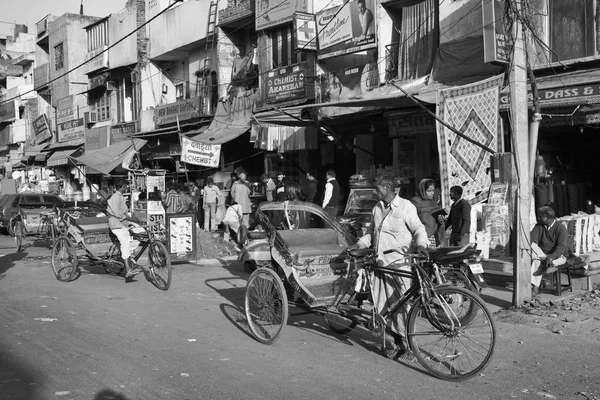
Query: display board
181, 236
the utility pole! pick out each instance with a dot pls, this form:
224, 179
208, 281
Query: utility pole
520, 149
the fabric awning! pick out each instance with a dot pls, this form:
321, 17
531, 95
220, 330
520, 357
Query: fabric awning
34, 150
231, 119
60, 157
41, 157
107, 159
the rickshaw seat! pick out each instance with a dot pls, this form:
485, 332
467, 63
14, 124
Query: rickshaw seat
93, 224
317, 250
306, 243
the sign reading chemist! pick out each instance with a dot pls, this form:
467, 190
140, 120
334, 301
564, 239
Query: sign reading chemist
207, 155
286, 84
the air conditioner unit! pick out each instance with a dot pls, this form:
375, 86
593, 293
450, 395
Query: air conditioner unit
91, 117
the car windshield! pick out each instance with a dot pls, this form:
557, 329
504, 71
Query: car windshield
361, 201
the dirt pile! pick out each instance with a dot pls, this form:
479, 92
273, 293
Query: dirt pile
211, 245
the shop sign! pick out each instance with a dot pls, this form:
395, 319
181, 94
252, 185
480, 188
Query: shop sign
346, 29
96, 138
586, 115
64, 111
41, 128
181, 234
561, 96
9, 111
349, 82
286, 84
98, 80
305, 27
121, 132
496, 48
95, 61
156, 212
206, 155
411, 125
70, 130
179, 111
269, 14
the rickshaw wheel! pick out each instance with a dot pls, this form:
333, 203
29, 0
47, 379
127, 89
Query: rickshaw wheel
16, 226
266, 305
339, 323
160, 265
64, 259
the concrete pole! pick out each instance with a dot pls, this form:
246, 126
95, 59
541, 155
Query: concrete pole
520, 144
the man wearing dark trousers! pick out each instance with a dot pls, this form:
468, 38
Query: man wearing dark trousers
332, 194
459, 218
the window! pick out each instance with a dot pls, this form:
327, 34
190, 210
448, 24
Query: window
571, 28
101, 105
59, 61
179, 91
97, 36
126, 99
282, 53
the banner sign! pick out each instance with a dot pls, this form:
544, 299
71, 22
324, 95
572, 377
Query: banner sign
496, 48
9, 111
121, 132
348, 28
305, 28
74, 129
41, 128
561, 96
275, 12
64, 111
207, 155
286, 84
179, 111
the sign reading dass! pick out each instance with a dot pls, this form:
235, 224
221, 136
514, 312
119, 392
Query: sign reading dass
197, 153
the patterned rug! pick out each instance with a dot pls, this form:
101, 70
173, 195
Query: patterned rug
472, 110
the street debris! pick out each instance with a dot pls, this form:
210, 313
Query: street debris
64, 393
191, 340
184, 374
46, 319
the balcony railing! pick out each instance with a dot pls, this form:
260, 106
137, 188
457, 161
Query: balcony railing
41, 75
42, 26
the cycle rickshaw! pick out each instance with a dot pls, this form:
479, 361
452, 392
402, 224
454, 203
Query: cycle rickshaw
449, 329
86, 231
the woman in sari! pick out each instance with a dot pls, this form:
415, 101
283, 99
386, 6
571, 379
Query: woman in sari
426, 206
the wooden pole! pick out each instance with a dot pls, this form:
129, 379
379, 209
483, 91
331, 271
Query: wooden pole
520, 134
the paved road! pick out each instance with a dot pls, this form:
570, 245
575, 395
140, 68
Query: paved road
132, 341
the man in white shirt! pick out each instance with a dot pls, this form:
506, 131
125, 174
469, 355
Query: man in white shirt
395, 225
332, 194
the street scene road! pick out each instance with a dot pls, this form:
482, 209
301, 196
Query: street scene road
98, 337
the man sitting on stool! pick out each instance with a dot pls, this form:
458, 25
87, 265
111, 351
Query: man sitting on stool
548, 244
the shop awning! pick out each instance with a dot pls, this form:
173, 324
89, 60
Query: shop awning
34, 150
231, 119
41, 157
60, 157
107, 159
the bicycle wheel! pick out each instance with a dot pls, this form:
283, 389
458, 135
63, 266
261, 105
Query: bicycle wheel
17, 228
11, 226
445, 346
266, 305
160, 265
64, 260
468, 310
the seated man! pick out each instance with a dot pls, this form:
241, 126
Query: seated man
548, 244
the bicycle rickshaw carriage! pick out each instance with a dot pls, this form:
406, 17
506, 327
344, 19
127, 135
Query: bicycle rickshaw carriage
311, 259
85, 227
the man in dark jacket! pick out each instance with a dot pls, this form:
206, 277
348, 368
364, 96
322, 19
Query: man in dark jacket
311, 186
459, 218
332, 196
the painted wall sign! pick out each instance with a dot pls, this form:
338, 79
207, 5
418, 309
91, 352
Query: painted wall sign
285, 84
496, 48
9, 111
207, 155
96, 138
271, 13
41, 128
180, 110
70, 130
64, 111
121, 132
570, 95
346, 29
305, 27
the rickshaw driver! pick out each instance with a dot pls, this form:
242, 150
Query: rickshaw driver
117, 213
395, 225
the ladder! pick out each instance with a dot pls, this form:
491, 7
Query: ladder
203, 81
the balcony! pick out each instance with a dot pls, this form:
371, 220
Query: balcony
25, 59
22, 92
100, 62
236, 11
41, 76
178, 31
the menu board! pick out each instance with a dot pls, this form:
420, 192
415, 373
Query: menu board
181, 236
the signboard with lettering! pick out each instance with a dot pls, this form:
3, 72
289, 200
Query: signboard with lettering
496, 47
95, 60
273, 13
121, 132
41, 129
348, 28
305, 27
178, 111
207, 155
285, 84
411, 125
155, 215
9, 111
181, 239
561, 96
70, 130
64, 111
96, 138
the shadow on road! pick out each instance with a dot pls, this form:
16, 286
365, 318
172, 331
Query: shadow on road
10, 260
109, 394
237, 317
17, 379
